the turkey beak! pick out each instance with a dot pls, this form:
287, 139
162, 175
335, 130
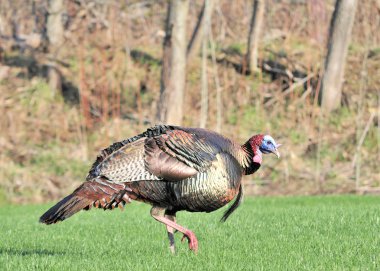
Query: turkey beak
276, 152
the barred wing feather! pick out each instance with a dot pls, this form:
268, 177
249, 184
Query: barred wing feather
162, 152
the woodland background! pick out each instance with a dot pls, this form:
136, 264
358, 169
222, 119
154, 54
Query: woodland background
77, 75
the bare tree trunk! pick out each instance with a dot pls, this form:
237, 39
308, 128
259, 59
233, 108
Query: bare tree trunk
55, 39
339, 39
196, 37
204, 91
254, 34
217, 85
173, 74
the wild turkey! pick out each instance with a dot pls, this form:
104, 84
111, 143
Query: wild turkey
172, 168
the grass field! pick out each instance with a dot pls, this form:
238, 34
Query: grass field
295, 233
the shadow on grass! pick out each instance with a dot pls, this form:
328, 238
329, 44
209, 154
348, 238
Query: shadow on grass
30, 252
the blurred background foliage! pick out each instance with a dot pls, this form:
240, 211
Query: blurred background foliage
109, 68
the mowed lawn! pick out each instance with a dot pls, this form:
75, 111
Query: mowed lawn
284, 233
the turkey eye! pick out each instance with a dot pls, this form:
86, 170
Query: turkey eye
269, 143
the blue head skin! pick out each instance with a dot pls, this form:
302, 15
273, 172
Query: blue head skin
268, 145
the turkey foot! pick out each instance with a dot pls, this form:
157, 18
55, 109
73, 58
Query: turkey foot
158, 214
192, 239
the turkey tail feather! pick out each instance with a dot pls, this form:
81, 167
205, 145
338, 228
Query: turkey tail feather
98, 192
64, 209
234, 206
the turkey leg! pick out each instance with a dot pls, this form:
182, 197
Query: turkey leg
170, 231
159, 214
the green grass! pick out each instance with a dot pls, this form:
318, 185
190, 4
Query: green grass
295, 233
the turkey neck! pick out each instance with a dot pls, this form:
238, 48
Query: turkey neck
247, 162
